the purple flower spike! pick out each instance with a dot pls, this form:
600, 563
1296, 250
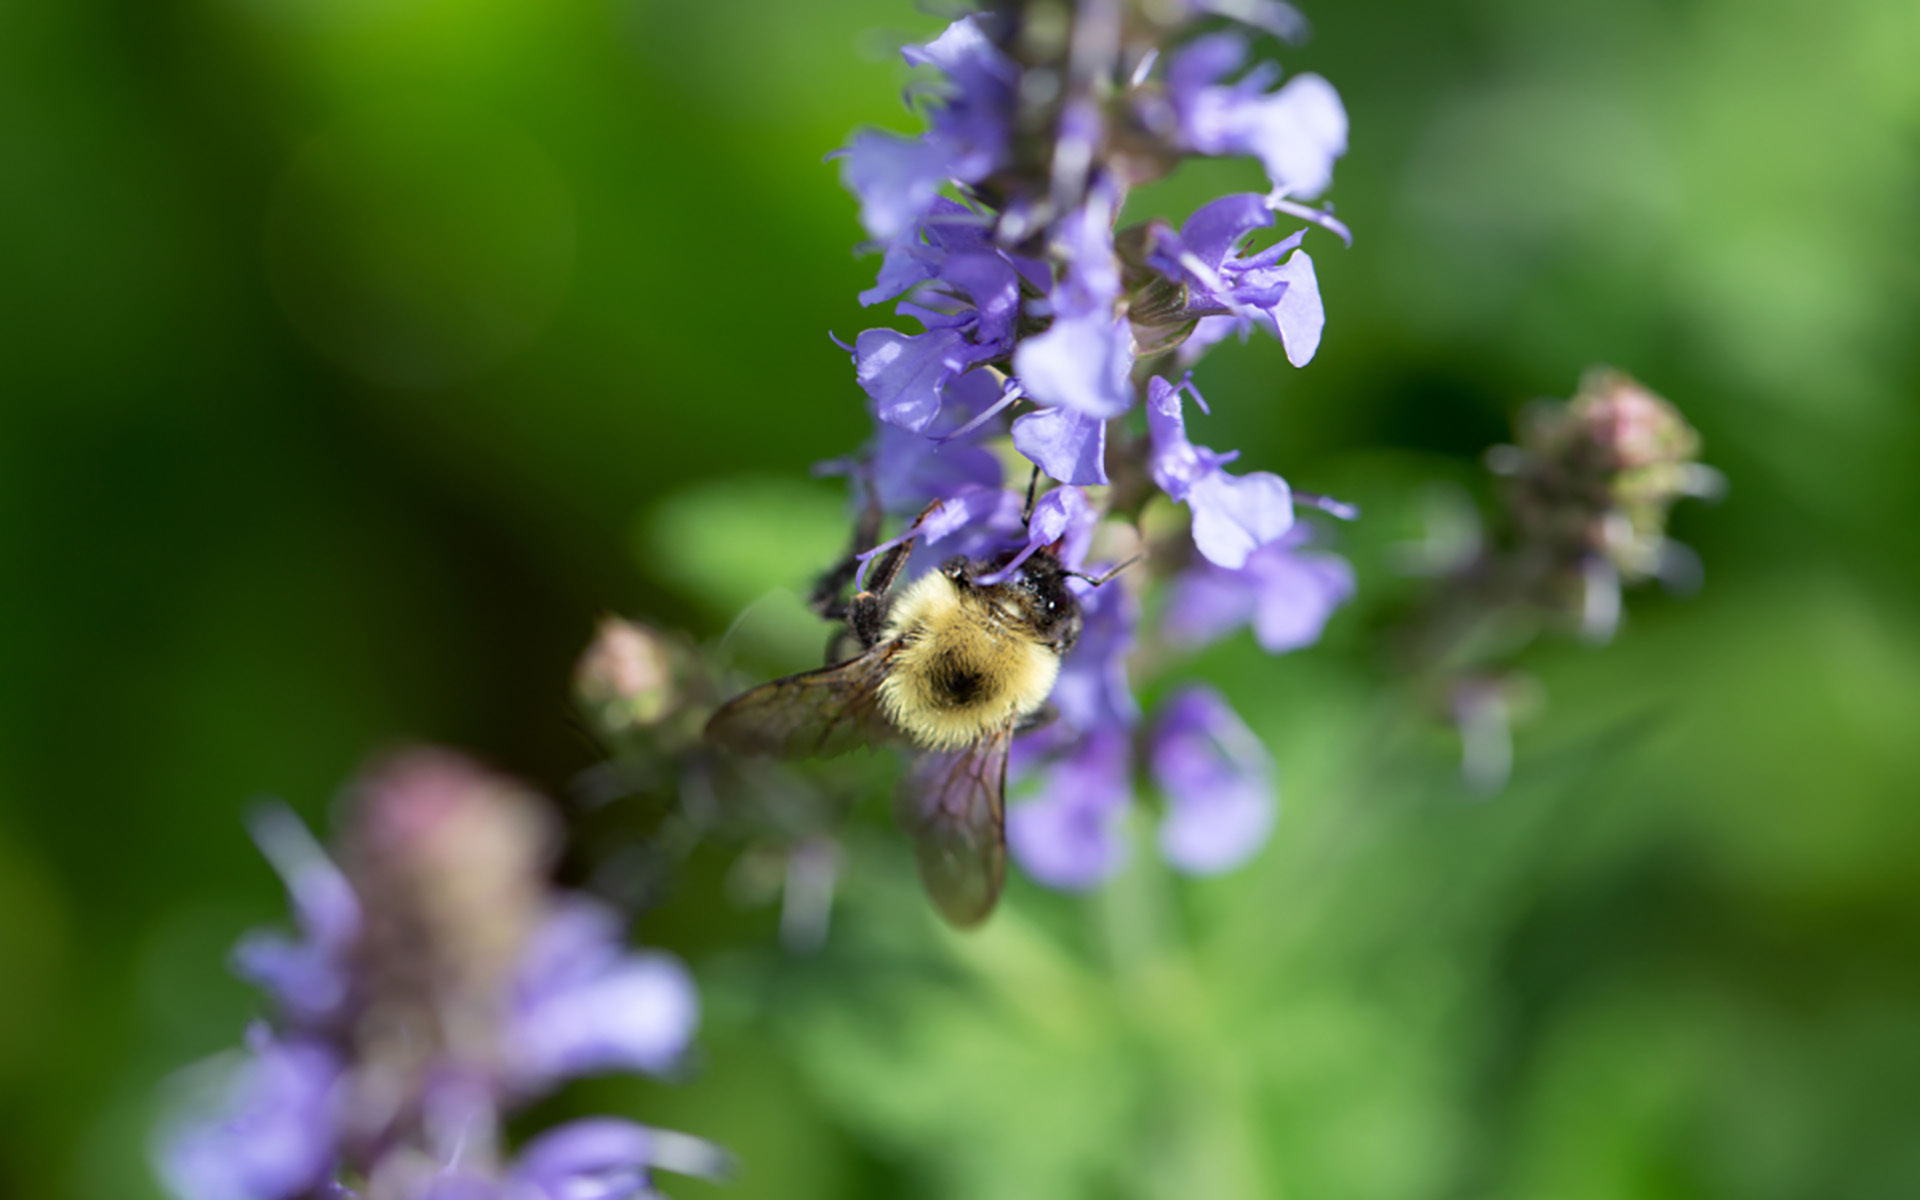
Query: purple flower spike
1296, 132
1233, 515
268, 1135
1286, 591
1218, 781
585, 1005
1068, 836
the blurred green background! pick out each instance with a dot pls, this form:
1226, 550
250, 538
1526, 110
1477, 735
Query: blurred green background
350, 348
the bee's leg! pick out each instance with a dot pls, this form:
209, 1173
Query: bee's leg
867, 614
1033, 491
826, 599
1039, 718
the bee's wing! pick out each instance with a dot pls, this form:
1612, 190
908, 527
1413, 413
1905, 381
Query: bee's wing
954, 805
815, 714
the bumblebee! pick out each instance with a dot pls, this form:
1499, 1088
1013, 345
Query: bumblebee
953, 666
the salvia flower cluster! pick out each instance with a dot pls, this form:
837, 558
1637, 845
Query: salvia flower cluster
1034, 320
435, 983
1587, 488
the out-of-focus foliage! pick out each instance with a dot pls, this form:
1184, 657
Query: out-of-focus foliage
349, 349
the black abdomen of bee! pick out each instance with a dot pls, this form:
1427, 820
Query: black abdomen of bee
953, 682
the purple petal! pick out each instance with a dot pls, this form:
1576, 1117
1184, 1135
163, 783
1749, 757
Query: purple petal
1092, 691
578, 941
1217, 779
915, 255
1296, 133
1208, 331
1177, 463
1193, 71
974, 120
990, 281
323, 901
1207, 604
1081, 362
1298, 592
639, 1016
1299, 316
895, 178
308, 982
910, 469
1067, 445
306, 976
268, 1134
1214, 229
1063, 518
1085, 236
905, 374
605, 1158
967, 56
1068, 837
584, 1004
1234, 515
1286, 591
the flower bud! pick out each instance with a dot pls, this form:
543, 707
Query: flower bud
1594, 478
625, 680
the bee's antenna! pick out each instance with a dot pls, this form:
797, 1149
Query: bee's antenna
1033, 486
1097, 580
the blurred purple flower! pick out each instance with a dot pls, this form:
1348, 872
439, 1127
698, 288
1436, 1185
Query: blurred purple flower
1218, 782
1233, 515
1285, 591
438, 983
1069, 835
1296, 132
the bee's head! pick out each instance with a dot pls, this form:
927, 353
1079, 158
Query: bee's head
1035, 596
